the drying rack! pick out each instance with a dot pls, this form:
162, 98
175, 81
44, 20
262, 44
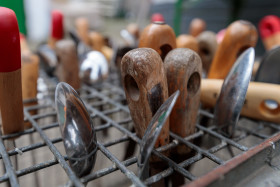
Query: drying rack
255, 145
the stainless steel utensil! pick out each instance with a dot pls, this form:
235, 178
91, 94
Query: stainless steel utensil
77, 130
233, 92
152, 132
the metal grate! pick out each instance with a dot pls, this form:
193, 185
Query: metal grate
214, 155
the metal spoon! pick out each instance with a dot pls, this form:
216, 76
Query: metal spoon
77, 130
233, 92
152, 132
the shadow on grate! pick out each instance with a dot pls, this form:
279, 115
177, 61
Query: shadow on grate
40, 150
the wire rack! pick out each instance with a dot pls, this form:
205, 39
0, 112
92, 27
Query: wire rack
42, 160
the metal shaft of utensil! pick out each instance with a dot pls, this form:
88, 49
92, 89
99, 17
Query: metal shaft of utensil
233, 92
152, 132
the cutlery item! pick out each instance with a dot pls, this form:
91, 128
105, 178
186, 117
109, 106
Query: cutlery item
268, 70
94, 68
82, 30
269, 28
197, 26
10, 73
77, 129
98, 43
46, 52
145, 86
67, 69
29, 75
158, 36
207, 47
131, 34
239, 36
152, 132
261, 103
183, 71
233, 93
187, 41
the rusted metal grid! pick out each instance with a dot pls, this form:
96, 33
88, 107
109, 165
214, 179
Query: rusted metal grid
216, 159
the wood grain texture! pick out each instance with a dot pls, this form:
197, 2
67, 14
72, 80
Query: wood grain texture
183, 71
158, 36
11, 102
68, 66
197, 26
254, 105
207, 47
187, 41
239, 36
145, 87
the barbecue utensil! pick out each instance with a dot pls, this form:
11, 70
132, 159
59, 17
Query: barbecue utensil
183, 71
207, 47
269, 28
239, 36
77, 129
46, 52
67, 69
233, 93
82, 30
187, 41
268, 70
158, 36
197, 26
145, 87
152, 132
10, 73
94, 67
261, 103
29, 75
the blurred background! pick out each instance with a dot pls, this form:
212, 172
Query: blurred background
111, 16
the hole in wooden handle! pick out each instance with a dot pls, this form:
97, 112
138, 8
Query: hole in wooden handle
131, 87
164, 50
269, 107
193, 83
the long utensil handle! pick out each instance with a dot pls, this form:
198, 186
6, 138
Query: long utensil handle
239, 36
262, 100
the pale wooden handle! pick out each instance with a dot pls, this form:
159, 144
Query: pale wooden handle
254, 106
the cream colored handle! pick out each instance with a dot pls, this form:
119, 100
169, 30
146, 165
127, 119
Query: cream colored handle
256, 105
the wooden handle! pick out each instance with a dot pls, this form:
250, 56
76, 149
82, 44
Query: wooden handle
10, 73
183, 71
197, 26
68, 67
239, 36
255, 105
82, 28
145, 86
96, 41
158, 36
269, 28
207, 47
187, 41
